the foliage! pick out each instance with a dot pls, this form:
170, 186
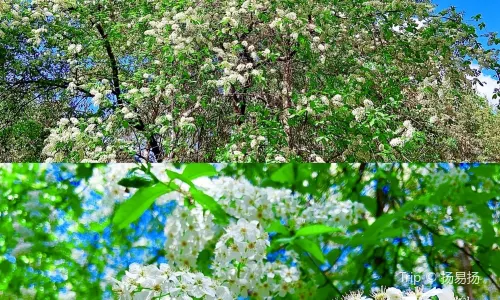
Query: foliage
218, 232
247, 81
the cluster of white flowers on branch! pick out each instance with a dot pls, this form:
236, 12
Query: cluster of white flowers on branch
188, 232
85, 139
243, 200
153, 282
396, 294
407, 133
237, 252
239, 261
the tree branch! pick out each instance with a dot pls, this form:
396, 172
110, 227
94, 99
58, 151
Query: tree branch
153, 143
478, 263
112, 60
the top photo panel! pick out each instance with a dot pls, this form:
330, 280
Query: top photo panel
249, 81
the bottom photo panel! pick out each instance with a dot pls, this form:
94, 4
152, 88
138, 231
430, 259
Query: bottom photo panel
250, 231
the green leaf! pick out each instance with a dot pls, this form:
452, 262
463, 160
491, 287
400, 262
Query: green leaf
371, 233
76, 205
316, 229
325, 292
277, 227
484, 170
208, 203
478, 204
495, 257
370, 203
489, 237
137, 179
333, 255
99, 227
175, 175
136, 205
390, 233
278, 243
84, 171
285, 174
204, 261
311, 247
193, 171
5, 267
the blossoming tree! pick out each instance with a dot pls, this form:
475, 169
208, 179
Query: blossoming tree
294, 231
253, 80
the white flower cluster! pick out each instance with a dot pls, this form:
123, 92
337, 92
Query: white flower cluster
313, 103
234, 12
184, 30
256, 141
455, 176
332, 212
105, 182
74, 49
236, 154
470, 223
67, 295
241, 199
83, 139
287, 22
359, 113
433, 119
239, 262
127, 114
251, 145
238, 60
396, 294
337, 101
186, 122
188, 232
153, 282
406, 131
28, 293
280, 159
139, 94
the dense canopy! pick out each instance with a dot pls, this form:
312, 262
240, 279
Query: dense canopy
294, 231
242, 80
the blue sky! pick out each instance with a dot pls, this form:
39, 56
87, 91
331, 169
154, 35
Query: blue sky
487, 8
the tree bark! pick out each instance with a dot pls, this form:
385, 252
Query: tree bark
153, 143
